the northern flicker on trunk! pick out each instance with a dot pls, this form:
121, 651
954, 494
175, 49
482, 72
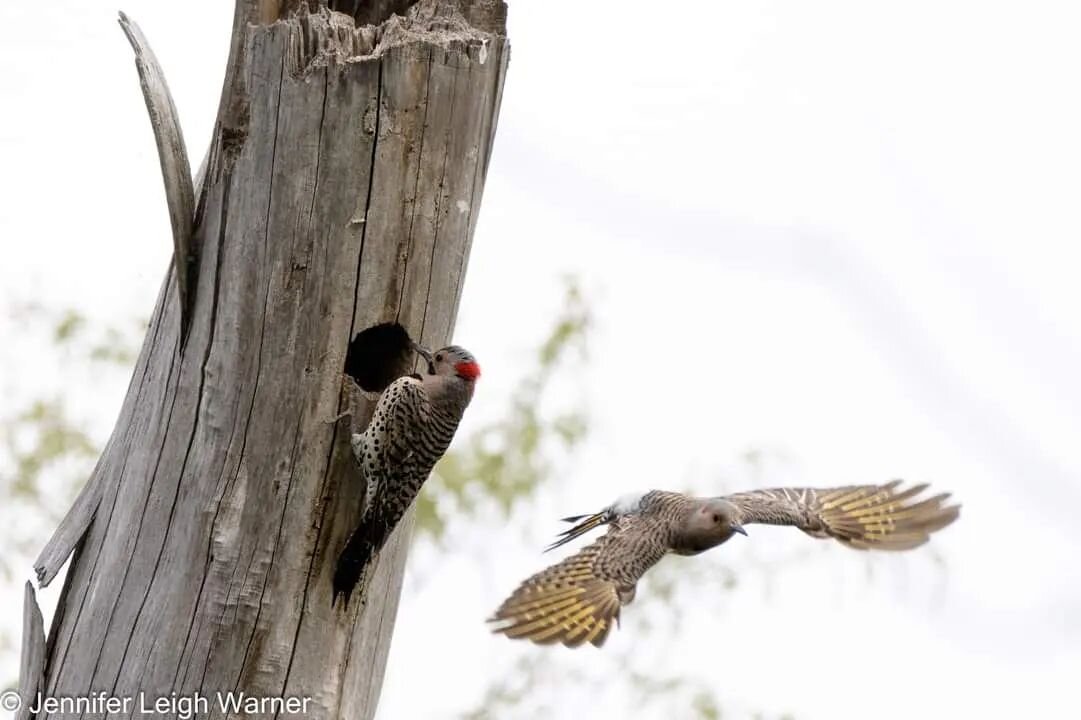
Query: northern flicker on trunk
577, 600
412, 426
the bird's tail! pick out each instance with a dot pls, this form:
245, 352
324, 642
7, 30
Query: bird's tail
354, 566
585, 523
884, 517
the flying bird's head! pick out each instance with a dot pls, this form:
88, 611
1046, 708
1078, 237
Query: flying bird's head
452, 361
709, 523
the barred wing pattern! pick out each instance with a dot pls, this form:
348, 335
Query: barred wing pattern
578, 599
865, 517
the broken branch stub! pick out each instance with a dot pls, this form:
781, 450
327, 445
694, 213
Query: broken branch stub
32, 663
175, 168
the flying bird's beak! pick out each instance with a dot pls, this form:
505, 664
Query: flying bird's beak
739, 528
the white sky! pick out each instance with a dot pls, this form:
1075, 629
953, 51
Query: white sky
852, 227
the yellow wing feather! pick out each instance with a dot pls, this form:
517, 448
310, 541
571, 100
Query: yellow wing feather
865, 517
883, 517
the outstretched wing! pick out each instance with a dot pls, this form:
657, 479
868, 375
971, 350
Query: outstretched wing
578, 599
865, 517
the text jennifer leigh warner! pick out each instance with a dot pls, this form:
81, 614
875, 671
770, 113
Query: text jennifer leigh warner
182, 707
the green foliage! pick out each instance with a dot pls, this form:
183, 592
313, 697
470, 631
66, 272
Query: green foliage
70, 324
43, 435
113, 347
52, 437
71, 331
705, 706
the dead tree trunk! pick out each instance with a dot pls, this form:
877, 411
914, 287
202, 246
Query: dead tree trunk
341, 190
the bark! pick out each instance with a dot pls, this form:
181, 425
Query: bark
341, 189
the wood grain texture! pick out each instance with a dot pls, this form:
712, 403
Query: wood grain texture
347, 197
173, 156
32, 663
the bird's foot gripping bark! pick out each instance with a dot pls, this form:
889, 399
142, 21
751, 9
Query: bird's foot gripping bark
340, 416
353, 393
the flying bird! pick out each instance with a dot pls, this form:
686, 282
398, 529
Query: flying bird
578, 599
412, 426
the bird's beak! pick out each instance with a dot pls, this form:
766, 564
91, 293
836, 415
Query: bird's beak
739, 529
423, 352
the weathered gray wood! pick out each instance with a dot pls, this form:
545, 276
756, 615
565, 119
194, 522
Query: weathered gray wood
344, 194
32, 665
173, 156
74, 526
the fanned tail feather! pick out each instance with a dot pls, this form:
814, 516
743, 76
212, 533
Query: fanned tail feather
588, 522
353, 567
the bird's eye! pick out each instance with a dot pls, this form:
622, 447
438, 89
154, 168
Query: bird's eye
439, 357
716, 518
